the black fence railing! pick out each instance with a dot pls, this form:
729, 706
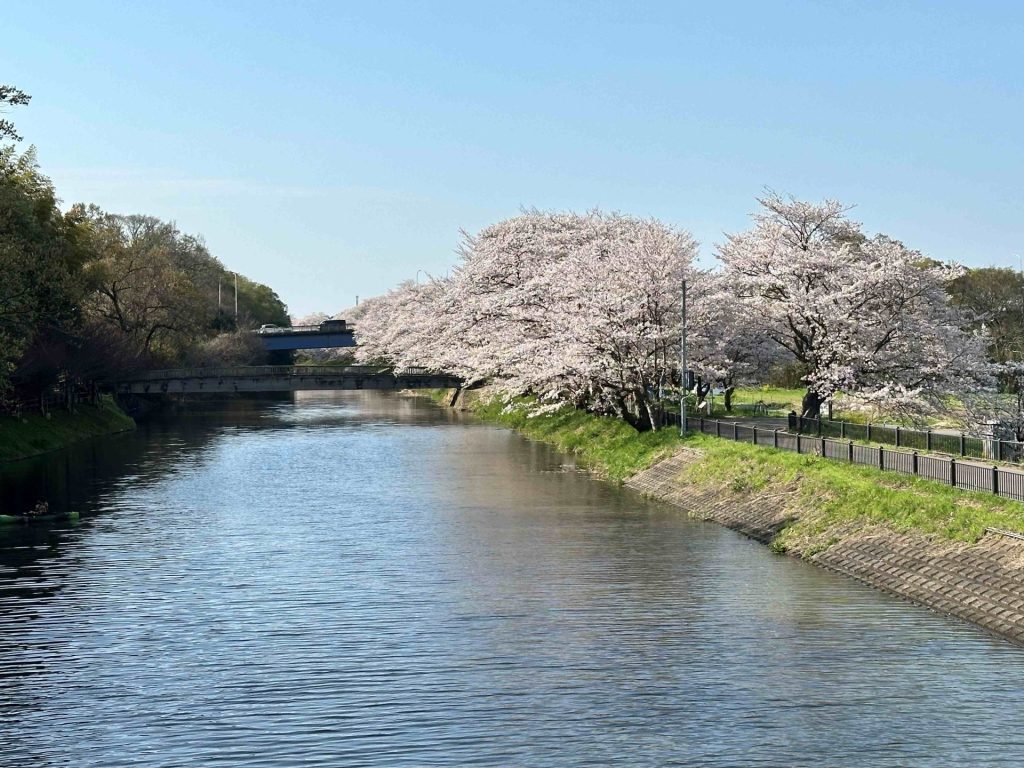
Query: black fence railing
935, 441
966, 475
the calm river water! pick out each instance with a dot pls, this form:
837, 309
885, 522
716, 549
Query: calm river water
369, 580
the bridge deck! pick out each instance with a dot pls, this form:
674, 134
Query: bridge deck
281, 378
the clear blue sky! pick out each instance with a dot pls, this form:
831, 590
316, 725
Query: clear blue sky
332, 149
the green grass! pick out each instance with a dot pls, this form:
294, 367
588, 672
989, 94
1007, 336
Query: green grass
439, 396
827, 500
32, 434
776, 398
780, 401
828, 496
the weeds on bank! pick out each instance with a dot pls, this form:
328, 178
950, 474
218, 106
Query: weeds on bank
830, 495
607, 445
35, 433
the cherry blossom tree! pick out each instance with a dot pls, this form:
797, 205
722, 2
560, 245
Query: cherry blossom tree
403, 327
727, 348
865, 316
613, 319
577, 308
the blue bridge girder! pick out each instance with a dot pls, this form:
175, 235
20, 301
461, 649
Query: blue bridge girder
291, 339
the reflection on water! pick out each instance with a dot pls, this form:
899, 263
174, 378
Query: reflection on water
368, 580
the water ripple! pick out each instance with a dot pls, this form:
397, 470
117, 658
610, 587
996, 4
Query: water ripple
364, 580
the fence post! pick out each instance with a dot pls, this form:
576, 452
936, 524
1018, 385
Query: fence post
881, 457
869, 431
897, 436
755, 435
823, 447
963, 450
952, 471
735, 431
928, 439
999, 450
775, 438
995, 480
818, 420
842, 429
798, 442
849, 451
913, 462
701, 422
800, 423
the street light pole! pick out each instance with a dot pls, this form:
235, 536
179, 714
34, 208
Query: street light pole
682, 364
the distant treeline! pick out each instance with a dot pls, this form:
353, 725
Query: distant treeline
86, 295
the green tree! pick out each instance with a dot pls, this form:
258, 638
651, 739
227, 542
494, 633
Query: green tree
40, 260
259, 304
147, 282
994, 297
11, 96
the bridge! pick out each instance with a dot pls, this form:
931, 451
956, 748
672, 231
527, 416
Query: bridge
281, 378
323, 336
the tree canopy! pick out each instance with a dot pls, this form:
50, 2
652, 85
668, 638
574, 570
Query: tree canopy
866, 316
585, 309
87, 293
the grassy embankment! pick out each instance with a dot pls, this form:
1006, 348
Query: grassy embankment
827, 500
32, 434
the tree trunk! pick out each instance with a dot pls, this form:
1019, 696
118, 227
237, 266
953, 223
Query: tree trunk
641, 419
728, 398
652, 415
812, 405
702, 389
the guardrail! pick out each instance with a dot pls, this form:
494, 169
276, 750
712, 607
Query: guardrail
965, 475
939, 441
302, 329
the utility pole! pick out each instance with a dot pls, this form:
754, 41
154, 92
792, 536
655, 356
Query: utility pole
219, 281
682, 365
236, 297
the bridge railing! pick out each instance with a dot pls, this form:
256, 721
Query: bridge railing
263, 371
302, 329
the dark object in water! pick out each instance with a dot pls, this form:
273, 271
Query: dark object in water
39, 512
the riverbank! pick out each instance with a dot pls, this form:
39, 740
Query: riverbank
35, 433
915, 538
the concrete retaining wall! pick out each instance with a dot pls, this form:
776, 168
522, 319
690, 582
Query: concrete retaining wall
981, 583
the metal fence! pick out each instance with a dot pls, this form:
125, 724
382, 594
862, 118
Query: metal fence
938, 441
966, 475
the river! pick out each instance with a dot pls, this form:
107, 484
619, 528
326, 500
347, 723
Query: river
364, 579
